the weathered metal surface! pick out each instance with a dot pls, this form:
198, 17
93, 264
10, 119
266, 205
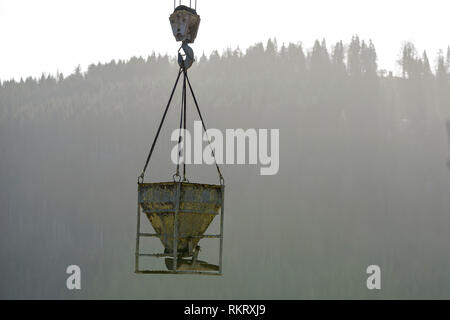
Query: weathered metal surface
185, 23
199, 204
180, 272
189, 265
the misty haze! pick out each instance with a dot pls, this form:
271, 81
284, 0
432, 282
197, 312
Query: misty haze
363, 176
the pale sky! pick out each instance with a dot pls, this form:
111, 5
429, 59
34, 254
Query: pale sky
48, 35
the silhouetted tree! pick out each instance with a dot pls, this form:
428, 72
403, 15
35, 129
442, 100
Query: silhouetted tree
426, 69
319, 60
368, 59
410, 63
448, 59
354, 57
441, 69
271, 47
295, 58
338, 57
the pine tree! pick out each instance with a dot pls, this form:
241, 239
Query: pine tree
59, 76
448, 59
409, 62
316, 58
77, 70
325, 54
373, 66
320, 60
441, 72
271, 47
203, 58
354, 58
296, 58
426, 69
368, 59
338, 57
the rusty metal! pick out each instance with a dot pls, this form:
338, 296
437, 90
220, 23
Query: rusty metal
185, 23
138, 235
179, 272
210, 236
222, 189
180, 213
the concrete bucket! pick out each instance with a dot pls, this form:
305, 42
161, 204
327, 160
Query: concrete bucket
180, 213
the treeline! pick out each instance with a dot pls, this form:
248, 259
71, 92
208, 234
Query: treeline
358, 58
313, 72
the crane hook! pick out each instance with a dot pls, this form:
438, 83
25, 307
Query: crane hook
188, 60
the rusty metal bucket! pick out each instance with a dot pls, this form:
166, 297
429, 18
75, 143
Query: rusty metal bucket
198, 204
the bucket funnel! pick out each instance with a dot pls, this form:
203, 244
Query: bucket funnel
198, 205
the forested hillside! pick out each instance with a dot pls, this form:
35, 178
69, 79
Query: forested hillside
363, 177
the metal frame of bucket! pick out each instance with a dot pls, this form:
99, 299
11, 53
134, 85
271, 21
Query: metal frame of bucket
177, 210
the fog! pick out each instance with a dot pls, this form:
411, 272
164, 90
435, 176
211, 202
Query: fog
363, 177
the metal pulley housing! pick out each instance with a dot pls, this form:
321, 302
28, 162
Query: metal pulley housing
185, 23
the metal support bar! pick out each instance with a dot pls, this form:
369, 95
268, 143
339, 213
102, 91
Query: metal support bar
211, 236
169, 211
179, 272
175, 226
136, 262
157, 255
182, 132
149, 235
222, 189
184, 124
